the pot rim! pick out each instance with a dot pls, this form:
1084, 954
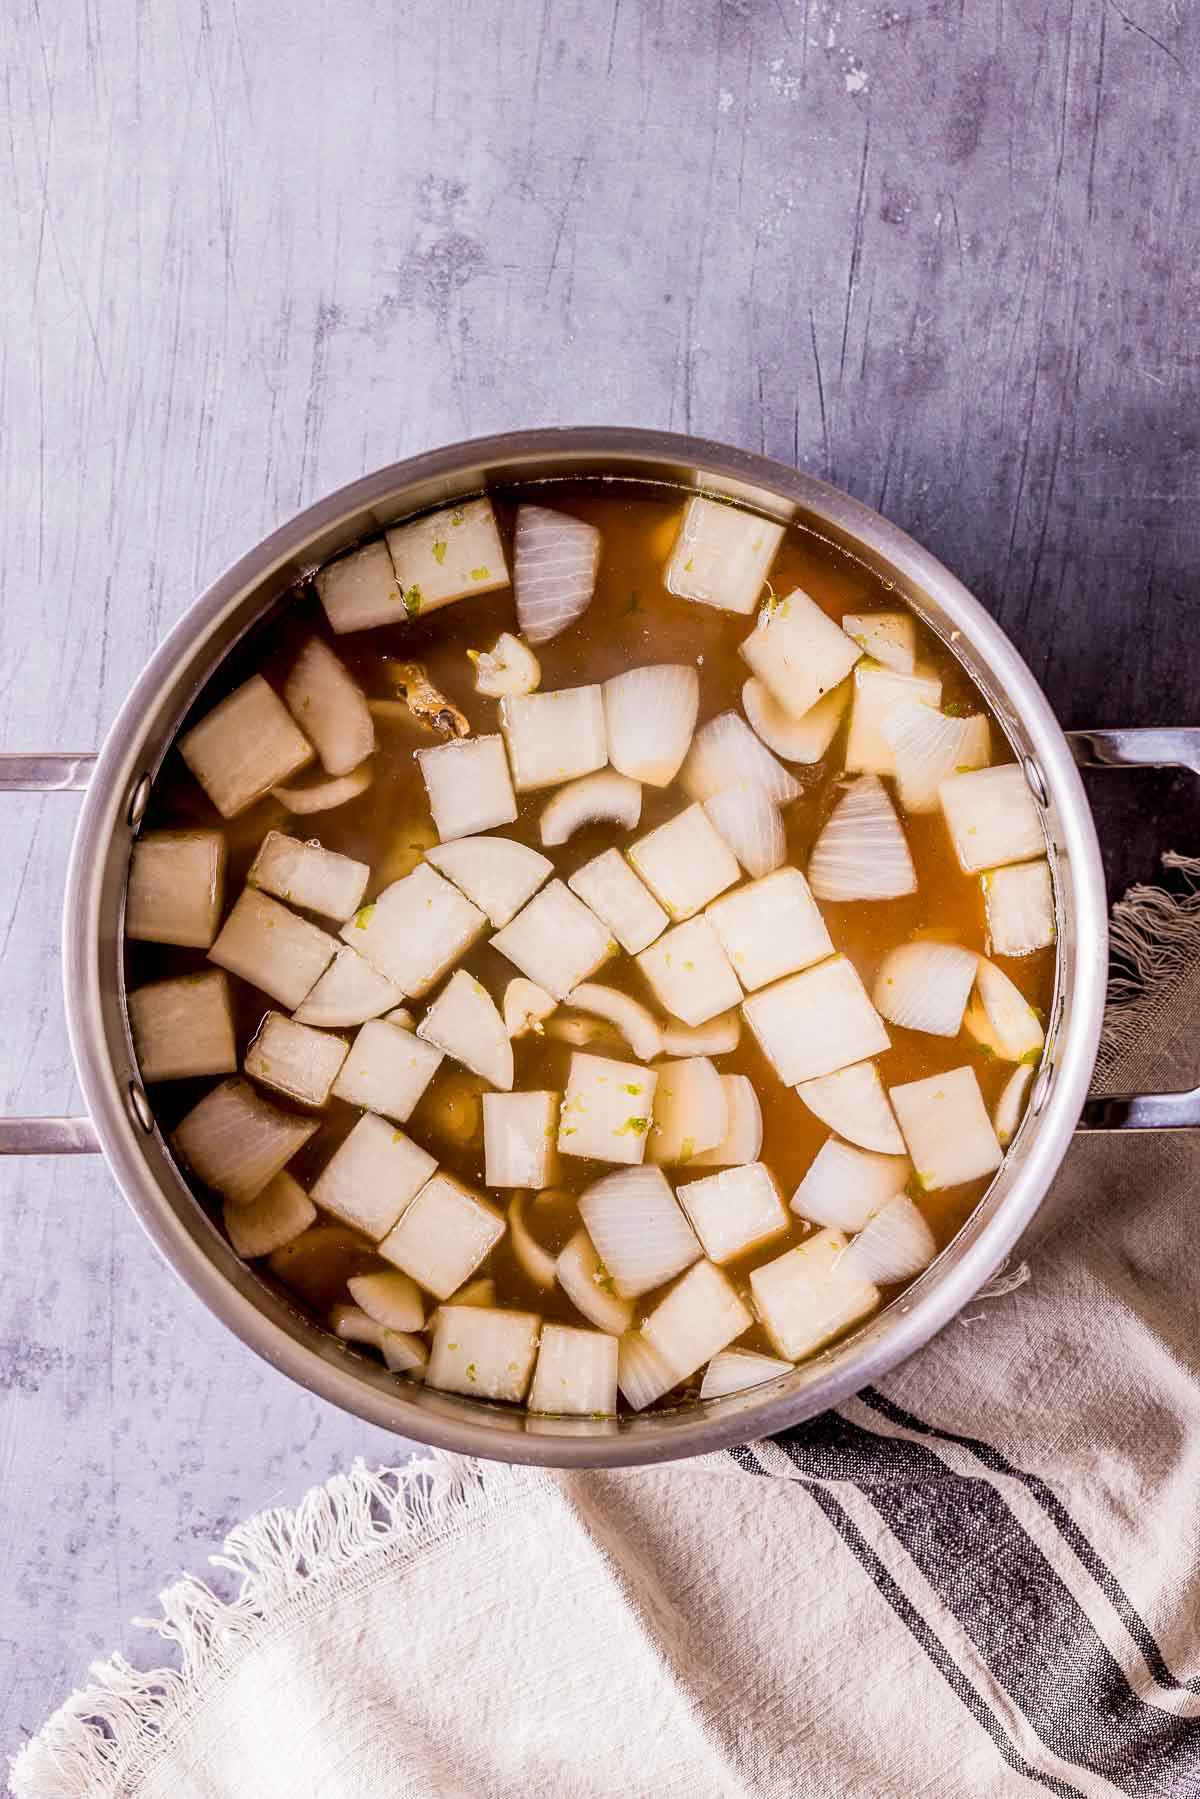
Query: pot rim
909, 1322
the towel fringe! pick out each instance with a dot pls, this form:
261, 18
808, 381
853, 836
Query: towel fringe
104, 1734
1154, 938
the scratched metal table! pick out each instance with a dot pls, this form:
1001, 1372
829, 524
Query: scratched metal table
944, 256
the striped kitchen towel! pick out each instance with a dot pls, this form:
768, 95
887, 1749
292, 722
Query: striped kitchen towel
978, 1579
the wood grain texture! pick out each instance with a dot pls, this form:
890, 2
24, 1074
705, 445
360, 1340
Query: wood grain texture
945, 256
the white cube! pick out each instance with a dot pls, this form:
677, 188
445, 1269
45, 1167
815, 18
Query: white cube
244, 746
416, 929
443, 1236
236, 1141
553, 737
735, 1210
349, 992
176, 888
700, 1315
272, 948
183, 1027
690, 1110
519, 1133
685, 862
576, 1372
305, 875
483, 1352
387, 1070
360, 590
887, 637
797, 652
274, 1217
464, 1022
607, 1109
816, 1021
690, 972
877, 692
295, 1059
770, 928
804, 1302
1019, 901
609, 886
468, 786
555, 940
947, 1129
497, 874
992, 817
447, 555
372, 1176
722, 555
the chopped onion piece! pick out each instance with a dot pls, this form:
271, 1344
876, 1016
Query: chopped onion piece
992, 817
736, 1370
631, 1018
443, 1235
844, 1186
852, 1102
554, 737
716, 1038
606, 1109
372, 1176
305, 875
721, 555
877, 693
404, 1353
927, 746
1009, 1106
582, 1033
887, 637
742, 1140
750, 823
804, 1299
323, 796
485, 1354
609, 886
862, 853
690, 1111
244, 746
604, 795
327, 702
496, 874
468, 785
481, 1292
925, 987
1002, 1018
349, 992
274, 1217
402, 1017
525, 1006
795, 739
508, 667
895, 1244
576, 1372
590, 1287
538, 1264
555, 558
555, 940
642, 1374
947, 1129
1019, 901
726, 751
390, 1298
650, 714
464, 1022
352, 1325
735, 1210
177, 888
816, 1022
698, 1318
183, 1027
235, 1142
798, 652
639, 1231
446, 555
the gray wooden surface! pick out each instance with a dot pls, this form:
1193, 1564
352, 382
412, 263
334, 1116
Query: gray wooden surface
944, 255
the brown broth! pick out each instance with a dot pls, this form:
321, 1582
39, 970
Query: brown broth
631, 621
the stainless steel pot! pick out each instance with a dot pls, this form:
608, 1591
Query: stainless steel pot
118, 783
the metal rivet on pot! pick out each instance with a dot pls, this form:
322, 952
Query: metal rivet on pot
1041, 1090
1037, 781
139, 799
139, 1105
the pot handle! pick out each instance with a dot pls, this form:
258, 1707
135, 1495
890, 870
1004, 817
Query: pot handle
46, 1136
1171, 746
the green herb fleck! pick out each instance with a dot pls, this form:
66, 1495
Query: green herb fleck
633, 1127
687, 1149
633, 1087
687, 567
604, 1279
362, 917
397, 1136
456, 517
956, 709
412, 600
470, 1371
986, 1051
1032, 1057
480, 573
439, 553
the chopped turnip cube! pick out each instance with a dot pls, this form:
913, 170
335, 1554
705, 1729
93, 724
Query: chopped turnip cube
609, 886
797, 652
877, 693
735, 1210
642, 1374
416, 929
305, 875
992, 817
770, 928
590, 1287
176, 888
925, 987
852, 1102
640, 1234
1020, 908
690, 1111
447, 555
607, 1109
862, 853
463, 1021
330, 707
236, 1142
947, 1129
698, 1318
443, 1236
802, 1299
1001, 1018
392, 1299
272, 948
487, 1354
722, 555
244, 747
844, 1185
736, 1370
690, 973
604, 797
519, 1131
816, 1022
554, 737
650, 714
274, 1217
295, 1059
576, 1372
372, 1176
742, 1140
685, 862
495, 873
555, 940
360, 590
725, 751
183, 1027
525, 1007
795, 739
349, 992
887, 637
468, 786
387, 1071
